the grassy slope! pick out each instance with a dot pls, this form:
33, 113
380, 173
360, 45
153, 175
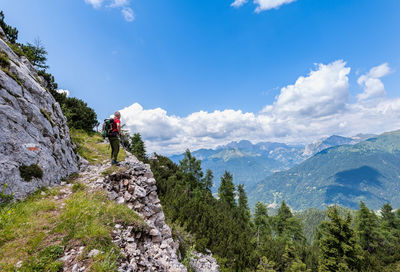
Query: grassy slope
92, 147
37, 230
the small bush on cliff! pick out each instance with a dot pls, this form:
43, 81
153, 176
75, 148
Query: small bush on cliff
4, 61
16, 48
11, 32
31, 171
36, 54
47, 115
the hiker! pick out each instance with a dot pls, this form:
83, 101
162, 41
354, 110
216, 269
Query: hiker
113, 138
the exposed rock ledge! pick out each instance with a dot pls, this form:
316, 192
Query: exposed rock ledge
153, 250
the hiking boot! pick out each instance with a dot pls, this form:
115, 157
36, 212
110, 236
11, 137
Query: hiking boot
115, 163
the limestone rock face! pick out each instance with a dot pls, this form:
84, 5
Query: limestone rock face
153, 249
33, 129
144, 250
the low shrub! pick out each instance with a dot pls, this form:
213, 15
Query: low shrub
78, 187
31, 171
4, 60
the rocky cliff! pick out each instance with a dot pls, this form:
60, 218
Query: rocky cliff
35, 145
154, 250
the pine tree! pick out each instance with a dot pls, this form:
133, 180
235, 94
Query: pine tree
36, 53
138, 148
388, 216
125, 138
226, 191
242, 201
190, 165
208, 180
265, 265
298, 266
11, 32
261, 221
261, 215
284, 214
367, 228
338, 245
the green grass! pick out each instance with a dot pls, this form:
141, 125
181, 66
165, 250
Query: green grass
46, 260
17, 50
35, 231
47, 115
78, 187
89, 218
71, 178
25, 228
113, 169
12, 76
4, 60
91, 146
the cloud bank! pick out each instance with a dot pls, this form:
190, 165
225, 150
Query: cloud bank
315, 106
262, 4
123, 5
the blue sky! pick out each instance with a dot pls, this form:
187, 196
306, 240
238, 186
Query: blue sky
203, 73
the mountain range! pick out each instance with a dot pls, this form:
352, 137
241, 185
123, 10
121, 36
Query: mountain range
368, 171
250, 163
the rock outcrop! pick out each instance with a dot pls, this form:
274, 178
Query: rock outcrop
33, 132
151, 250
203, 263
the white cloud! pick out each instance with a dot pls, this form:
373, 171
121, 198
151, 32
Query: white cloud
119, 3
371, 83
61, 91
95, 3
315, 106
323, 92
262, 4
239, 3
126, 11
128, 14
270, 4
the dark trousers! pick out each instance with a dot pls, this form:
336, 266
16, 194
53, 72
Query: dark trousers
114, 142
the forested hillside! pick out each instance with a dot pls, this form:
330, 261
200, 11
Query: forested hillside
368, 171
258, 242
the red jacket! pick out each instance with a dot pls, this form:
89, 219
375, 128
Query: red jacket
115, 126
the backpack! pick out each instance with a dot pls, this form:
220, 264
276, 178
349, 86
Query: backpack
107, 127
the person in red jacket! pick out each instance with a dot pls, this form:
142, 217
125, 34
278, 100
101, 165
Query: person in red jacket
113, 137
